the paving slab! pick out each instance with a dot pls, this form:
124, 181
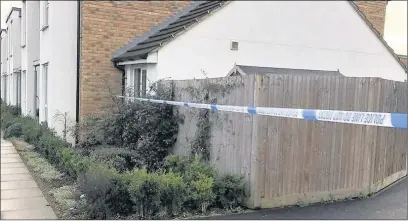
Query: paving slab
13, 165
8, 152
22, 184
11, 160
43, 213
20, 193
16, 177
9, 155
23, 203
13, 170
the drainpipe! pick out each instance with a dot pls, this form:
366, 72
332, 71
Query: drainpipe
123, 78
78, 65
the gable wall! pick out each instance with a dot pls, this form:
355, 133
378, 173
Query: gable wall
325, 35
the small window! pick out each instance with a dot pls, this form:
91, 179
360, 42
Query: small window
234, 46
24, 21
136, 83
139, 82
10, 41
45, 91
18, 88
144, 73
45, 15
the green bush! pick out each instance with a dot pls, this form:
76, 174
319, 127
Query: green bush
106, 194
13, 130
202, 194
148, 129
119, 158
145, 193
174, 193
230, 191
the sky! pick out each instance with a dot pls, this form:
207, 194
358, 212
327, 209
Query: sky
395, 32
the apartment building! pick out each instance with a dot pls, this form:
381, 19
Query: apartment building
11, 59
62, 54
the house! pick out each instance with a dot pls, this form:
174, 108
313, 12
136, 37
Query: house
207, 38
246, 70
60, 61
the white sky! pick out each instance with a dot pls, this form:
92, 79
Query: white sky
395, 23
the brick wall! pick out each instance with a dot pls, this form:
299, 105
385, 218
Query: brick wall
105, 27
374, 12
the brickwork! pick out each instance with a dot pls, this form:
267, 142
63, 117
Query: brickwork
105, 27
374, 12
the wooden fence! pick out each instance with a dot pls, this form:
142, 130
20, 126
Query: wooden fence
291, 161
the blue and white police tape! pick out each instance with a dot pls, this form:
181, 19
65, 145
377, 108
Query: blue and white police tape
395, 120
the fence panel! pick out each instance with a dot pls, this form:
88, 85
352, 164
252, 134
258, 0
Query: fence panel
286, 160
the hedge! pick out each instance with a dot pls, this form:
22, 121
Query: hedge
117, 186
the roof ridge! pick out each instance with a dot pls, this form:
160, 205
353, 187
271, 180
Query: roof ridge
155, 28
362, 15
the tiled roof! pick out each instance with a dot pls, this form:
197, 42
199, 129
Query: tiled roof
167, 30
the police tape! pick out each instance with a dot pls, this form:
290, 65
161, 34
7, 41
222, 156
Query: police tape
395, 120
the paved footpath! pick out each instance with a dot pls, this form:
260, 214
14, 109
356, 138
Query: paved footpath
20, 196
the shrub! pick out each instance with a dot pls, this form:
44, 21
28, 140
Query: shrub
202, 193
106, 194
13, 130
230, 191
145, 191
148, 129
173, 194
119, 158
15, 110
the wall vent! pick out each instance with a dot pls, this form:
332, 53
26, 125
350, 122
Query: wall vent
234, 46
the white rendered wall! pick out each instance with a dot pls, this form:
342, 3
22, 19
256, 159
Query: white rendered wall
320, 35
58, 48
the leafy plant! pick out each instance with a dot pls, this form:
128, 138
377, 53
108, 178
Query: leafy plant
230, 191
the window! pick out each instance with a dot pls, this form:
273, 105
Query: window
24, 25
5, 89
23, 91
10, 41
45, 15
45, 90
143, 83
136, 83
18, 88
36, 91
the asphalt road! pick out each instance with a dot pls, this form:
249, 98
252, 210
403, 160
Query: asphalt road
389, 204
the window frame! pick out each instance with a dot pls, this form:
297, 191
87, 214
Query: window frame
45, 15
24, 25
44, 85
10, 49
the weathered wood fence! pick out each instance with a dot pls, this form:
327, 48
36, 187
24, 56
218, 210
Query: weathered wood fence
289, 161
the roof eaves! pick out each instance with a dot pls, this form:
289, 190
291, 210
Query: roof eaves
136, 40
11, 11
378, 35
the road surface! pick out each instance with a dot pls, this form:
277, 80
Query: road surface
389, 204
